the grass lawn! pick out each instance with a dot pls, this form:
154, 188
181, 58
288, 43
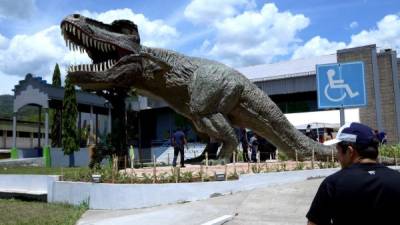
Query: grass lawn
41, 170
16, 212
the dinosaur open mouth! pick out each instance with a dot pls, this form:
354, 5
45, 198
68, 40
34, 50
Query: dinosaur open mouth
103, 53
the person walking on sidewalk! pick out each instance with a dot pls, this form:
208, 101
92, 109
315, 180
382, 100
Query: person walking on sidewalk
179, 142
363, 191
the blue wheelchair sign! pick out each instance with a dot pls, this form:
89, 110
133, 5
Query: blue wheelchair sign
341, 85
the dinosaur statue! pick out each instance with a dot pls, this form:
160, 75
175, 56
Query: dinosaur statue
215, 97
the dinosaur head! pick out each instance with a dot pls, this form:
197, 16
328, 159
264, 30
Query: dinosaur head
113, 49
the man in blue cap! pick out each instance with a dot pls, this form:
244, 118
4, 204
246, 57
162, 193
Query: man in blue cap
363, 191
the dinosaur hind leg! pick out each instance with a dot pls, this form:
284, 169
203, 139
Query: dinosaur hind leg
218, 127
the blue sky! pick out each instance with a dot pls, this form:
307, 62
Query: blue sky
236, 32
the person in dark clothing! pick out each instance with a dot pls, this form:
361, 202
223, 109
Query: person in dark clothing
254, 148
245, 144
311, 133
363, 191
179, 142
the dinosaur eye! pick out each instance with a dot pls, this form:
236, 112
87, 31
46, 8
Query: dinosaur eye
126, 31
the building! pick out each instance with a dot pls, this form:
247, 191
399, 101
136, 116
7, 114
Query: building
94, 113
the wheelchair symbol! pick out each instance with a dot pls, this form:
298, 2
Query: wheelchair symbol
338, 84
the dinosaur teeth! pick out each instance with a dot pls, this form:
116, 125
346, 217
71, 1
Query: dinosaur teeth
84, 39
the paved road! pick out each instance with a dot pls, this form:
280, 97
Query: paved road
275, 205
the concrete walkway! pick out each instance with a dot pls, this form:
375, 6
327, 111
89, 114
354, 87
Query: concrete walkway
279, 204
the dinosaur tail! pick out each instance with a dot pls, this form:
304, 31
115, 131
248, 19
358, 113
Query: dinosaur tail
259, 113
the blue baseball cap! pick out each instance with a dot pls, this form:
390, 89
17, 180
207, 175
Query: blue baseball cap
353, 132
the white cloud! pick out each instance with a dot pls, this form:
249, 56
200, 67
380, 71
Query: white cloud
385, 35
210, 11
154, 33
317, 46
255, 37
3, 41
20, 9
38, 53
353, 25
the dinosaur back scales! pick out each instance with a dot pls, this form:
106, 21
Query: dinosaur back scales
219, 98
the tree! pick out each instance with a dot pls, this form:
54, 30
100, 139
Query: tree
55, 133
56, 76
70, 140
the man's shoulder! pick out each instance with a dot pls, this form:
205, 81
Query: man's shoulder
357, 169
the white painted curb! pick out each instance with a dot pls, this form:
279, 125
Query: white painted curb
219, 220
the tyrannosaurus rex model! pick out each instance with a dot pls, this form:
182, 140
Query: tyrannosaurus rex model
212, 95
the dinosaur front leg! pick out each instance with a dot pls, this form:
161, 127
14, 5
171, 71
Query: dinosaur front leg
218, 126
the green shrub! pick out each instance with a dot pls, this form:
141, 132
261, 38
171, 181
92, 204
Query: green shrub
392, 151
282, 156
299, 166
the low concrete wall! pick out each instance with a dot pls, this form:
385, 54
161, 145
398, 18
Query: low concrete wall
129, 196
22, 162
28, 183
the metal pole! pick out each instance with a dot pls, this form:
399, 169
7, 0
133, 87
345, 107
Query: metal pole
91, 125
40, 124
109, 117
15, 130
342, 119
46, 127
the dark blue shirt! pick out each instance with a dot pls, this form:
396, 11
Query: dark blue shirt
179, 138
360, 194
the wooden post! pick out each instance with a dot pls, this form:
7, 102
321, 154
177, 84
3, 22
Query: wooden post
201, 173
258, 161
179, 174
297, 158
154, 169
333, 157
125, 164
176, 174
206, 164
112, 171
168, 160
226, 172
248, 166
312, 159
234, 163
266, 166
